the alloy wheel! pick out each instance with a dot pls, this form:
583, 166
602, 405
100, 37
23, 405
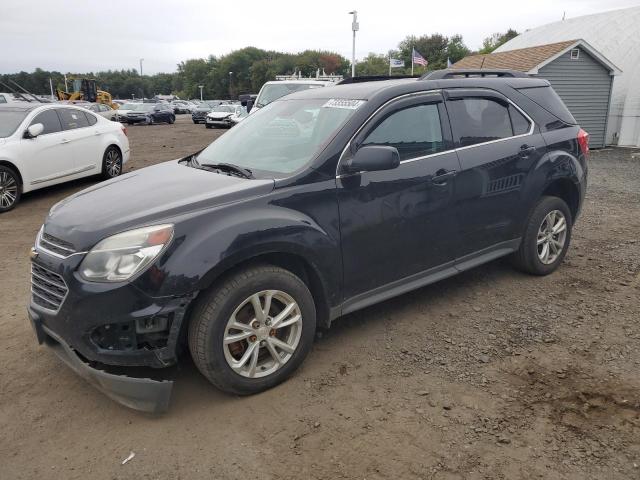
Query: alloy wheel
552, 236
8, 190
113, 164
262, 333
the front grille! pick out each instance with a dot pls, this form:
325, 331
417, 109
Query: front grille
47, 288
55, 245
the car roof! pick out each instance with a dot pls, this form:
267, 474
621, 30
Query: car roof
19, 107
392, 88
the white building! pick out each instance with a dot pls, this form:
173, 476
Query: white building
616, 35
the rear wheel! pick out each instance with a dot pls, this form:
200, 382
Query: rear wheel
10, 188
111, 163
546, 237
172, 119
250, 332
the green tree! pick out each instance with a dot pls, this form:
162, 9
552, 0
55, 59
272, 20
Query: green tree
492, 42
373, 64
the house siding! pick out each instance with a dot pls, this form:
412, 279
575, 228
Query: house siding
585, 87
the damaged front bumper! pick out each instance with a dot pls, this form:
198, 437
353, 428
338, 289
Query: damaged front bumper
142, 394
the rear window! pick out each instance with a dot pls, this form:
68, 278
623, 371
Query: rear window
547, 98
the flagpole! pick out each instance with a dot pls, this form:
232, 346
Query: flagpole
412, 61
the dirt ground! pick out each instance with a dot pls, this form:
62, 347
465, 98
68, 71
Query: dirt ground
489, 375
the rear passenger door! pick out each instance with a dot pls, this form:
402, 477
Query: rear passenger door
498, 145
82, 134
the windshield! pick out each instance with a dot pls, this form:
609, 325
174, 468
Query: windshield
274, 91
281, 138
129, 106
9, 122
224, 108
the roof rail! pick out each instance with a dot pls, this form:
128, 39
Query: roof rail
374, 78
472, 72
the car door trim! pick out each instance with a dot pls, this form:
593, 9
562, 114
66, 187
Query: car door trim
62, 175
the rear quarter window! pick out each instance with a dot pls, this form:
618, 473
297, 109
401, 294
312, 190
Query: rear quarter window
479, 120
548, 99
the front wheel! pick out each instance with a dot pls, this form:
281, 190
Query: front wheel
111, 163
546, 237
10, 188
172, 119
252, 331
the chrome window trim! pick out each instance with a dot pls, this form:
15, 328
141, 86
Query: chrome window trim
532, 126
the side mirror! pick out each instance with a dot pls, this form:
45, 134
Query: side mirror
34, 130
373, 158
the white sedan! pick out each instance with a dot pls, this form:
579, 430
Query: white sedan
45, 144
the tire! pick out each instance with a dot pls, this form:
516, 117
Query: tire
111, 163
172, 119
10, 188
207, 125
210, 323
542, 223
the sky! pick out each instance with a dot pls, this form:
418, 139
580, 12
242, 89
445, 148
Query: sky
90, 36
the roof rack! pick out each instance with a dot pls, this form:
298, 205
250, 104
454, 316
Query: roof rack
374, 78
472, 72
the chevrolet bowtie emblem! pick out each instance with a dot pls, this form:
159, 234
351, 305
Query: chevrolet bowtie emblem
33, 253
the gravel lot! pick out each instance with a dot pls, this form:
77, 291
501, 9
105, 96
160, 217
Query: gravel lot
488, 375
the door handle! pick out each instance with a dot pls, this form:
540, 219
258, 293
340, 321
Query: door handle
64, 140
442, 176
96, 133
526, 150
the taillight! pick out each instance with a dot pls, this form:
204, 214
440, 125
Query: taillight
124, 130
583, 142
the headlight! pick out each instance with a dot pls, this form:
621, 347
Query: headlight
121, 256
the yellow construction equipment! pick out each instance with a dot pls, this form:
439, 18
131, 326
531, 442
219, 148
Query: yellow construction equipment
86, 89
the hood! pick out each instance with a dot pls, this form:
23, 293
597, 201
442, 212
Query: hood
145, 197
219, 114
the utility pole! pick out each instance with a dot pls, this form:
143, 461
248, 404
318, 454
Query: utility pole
141, 66
230, 78
51, 87
200, 87
354, 27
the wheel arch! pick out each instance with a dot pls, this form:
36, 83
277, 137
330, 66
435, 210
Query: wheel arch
296, 262
12, 166
566, 190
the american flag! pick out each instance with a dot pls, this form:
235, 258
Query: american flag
418, 59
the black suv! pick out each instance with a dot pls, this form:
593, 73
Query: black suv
322, 203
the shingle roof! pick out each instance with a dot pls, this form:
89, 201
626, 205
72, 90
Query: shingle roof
522, 59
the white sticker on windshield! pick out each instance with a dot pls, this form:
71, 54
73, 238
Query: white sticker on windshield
343, 103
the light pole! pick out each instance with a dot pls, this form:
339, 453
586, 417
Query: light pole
141, 60
200, 87
230, 74
355, 26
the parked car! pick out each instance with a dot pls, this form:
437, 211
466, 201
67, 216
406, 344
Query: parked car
150, 113
276, 89
225, 115
41, 145
120, 115
326, 202
100, 109
182, 106
199, 115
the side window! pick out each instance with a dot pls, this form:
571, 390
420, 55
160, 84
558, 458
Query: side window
49, 120
518, 121
414, 131
478, 120
91, 118
2, 99
72, 118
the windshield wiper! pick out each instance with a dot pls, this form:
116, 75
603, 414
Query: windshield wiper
229, 168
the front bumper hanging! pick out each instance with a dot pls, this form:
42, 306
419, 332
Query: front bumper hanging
144, 394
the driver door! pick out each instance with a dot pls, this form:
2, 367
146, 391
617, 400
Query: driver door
398, 226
